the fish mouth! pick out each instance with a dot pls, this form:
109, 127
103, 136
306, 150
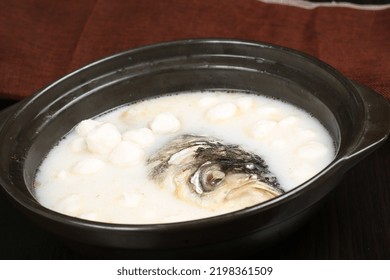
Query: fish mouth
252, 189
205, 171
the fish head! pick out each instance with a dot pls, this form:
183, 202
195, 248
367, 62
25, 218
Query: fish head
205, 171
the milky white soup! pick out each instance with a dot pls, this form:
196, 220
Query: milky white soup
99, 170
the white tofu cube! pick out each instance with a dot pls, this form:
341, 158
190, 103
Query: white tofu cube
221, 112
263, 128
165, 123
86, 126
142, 136
78, 145
103, 138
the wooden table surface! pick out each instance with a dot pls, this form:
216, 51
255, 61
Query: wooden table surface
352, 223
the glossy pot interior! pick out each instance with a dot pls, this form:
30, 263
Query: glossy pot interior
357, 119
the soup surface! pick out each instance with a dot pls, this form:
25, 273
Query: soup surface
182, 157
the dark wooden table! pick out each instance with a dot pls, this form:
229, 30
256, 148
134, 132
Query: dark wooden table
352, 223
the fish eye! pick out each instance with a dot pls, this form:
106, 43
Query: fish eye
211, 179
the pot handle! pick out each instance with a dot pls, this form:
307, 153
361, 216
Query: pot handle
377, 122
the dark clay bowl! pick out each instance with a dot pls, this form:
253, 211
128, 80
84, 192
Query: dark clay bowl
357, 118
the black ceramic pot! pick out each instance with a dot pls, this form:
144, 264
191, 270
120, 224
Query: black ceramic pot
357, 118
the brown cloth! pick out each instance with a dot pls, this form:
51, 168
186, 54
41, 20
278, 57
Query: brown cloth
42, 40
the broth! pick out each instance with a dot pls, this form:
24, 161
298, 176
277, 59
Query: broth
101, 170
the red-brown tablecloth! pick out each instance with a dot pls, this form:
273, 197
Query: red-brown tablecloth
42, 40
